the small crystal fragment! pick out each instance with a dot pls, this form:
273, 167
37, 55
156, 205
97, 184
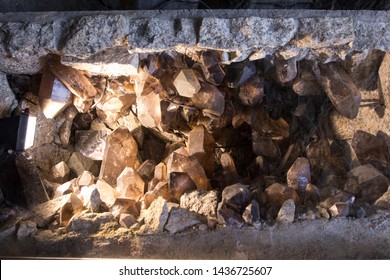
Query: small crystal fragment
239, 73
156, 216
79, 163
252, 213
339, 209
340, 89
180, 183
81, 105
212, 71
121, 151
201, 145
85, 179
298, 176
60, 172
54, 96
127, 220
252, 92
187, 83
130, 184
149, 110
76, 82
160, 172
286, 70
229, 217
146, 169
91, 198
189, 165
287, 212
64, 189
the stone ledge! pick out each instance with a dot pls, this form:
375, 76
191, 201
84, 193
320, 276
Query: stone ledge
27, 38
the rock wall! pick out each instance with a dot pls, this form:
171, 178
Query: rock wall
91, 37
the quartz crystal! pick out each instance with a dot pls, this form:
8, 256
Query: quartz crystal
187, 83
236, 197
286, 70
298, 176
107, 193
189, 165
239, 73
121, 152
76, 82
78, 163
201, 145
340, 89
212, 71
54, 96
210, 99
180, 183
264, 146
130, 184
252, 91
60, 172
287, 212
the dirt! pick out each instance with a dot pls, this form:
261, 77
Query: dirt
342, 238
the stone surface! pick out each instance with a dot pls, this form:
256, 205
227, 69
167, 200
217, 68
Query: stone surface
384, 200
384, 80
65, 188
287, 212
341, 90
107, 193
201, 145
8, 102
130, 184
201, 202
210, 100
48, 155
156, 216
286, 70
90, 223
121, 151
229, 217
47, 210
127, 220
371, 35
236, 197
69, 209
189, 165
298, 176
186, 83
54, 96
26, 229
76, 82
66, 128
251, 214
91, 198
180, 219
91, 143
238, 34
78, 163
366, 182
113, 62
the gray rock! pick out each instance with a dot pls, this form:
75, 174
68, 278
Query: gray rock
8, 102
48, 155
127, 220
90, 223
287, 212
371, 35
26, 229
201, 202
181, 219
240, 34
156, 216
90, 35
46, 211
91, 198
384, 80
23, 45
156, 35
324, 32
229, 217
111, 62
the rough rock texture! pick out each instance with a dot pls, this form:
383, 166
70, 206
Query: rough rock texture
90, 223
201, 202
26, 40
156, 216
8, 102
181, 219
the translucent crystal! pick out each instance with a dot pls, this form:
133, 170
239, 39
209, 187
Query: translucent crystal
146, 169
180, 183
210, 99
229, 165
76, 82
212, 71
189, 165
340, 89
201, 145
252, 92
239, 73
130, 184
160, 172
79, 163
252, 213
107, 193
236, 197
85, 179
186, 83
298, 176
286, 70
60, 172
54, 96
121, 151
306, 82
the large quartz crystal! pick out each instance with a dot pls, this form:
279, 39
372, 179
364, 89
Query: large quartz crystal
201, 145
121, 151
187, 83
189, 165
180, 183
340, 89
210, 99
